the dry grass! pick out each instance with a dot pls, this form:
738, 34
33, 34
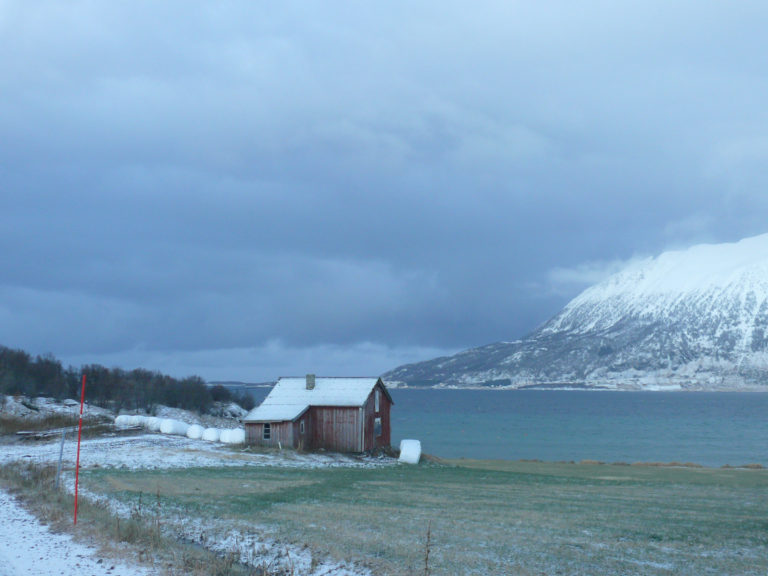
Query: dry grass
140, 538
489, 517
11, 425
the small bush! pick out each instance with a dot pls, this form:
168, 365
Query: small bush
220, 393
244, 399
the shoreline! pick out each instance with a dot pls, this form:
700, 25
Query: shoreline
672, 389
588, 462
538, 485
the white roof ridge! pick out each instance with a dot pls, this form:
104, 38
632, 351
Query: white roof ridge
290, 397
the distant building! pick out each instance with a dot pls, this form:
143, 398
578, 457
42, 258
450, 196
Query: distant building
339, 414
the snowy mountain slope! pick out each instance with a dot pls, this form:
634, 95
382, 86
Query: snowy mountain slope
694, 319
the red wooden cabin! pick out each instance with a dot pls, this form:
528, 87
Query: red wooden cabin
339, 414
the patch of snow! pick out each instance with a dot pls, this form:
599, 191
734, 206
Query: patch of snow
230, 410
27, 547
42, 407
160, 451
164, 451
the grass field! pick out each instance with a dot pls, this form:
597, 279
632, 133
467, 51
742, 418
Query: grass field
486, 517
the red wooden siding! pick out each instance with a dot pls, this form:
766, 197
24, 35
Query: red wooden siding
371, 440
281, 434
336, 428
303, 440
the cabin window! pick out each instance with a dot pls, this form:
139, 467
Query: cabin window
376, 400
377, 427
301, 427
267, 432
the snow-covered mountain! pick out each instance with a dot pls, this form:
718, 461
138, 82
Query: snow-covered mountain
691, 319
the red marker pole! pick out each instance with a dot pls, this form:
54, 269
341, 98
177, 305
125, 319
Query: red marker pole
79, 433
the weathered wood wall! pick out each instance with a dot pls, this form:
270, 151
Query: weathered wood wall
336, 428
371, 440
340, 429
281, 434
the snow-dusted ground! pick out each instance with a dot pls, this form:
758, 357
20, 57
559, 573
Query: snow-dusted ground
32, 408
142, 450
27, 547
158, 451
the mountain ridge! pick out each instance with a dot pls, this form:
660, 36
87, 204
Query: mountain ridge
694, 319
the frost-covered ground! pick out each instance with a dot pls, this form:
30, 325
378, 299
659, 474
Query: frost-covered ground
141, 450
250, 543
27, 547
305, 513
160, 451
34, 408
225, 415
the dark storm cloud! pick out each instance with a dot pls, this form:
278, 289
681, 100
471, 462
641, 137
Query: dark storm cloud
213, 186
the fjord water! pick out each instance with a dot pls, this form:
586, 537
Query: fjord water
711, 429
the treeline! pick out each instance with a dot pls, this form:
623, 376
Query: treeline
112, 388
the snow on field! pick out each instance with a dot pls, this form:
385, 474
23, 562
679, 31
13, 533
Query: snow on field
159, 451
256, 549
151, 450
141, 450
32, 408
133, 450
27, 547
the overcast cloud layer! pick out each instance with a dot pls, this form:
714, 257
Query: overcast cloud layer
244, 190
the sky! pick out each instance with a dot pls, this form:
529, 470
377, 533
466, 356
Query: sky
244, 190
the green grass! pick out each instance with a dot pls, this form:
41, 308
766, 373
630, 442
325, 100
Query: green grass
486, 517
139, 538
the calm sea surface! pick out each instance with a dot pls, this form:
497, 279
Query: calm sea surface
712, 429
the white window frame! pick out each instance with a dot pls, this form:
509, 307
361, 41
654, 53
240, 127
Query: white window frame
266, 431
301, 427
376, 400
377, 427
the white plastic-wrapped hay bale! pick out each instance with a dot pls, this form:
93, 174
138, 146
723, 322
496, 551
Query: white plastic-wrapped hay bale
171, 426
234, 436
195, 431
123, 421
211, 434
410, 451
130, 420
153, 423
137, 420
238, 436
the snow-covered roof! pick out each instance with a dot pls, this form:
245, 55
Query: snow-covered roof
290, 397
